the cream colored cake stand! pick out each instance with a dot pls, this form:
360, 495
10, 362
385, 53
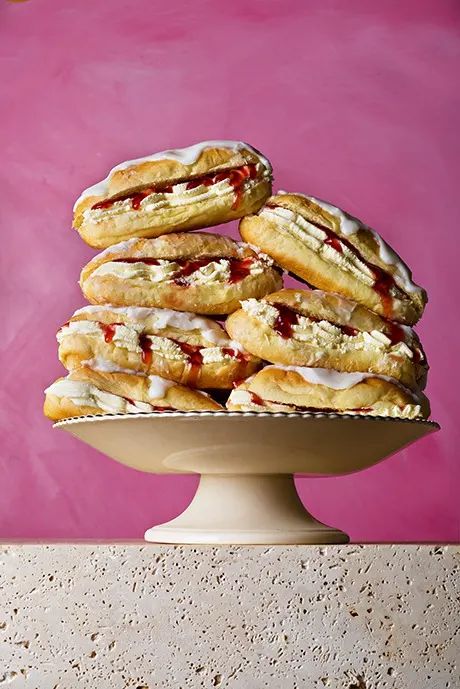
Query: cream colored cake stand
246, 461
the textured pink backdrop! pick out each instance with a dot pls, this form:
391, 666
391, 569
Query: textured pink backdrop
356, 102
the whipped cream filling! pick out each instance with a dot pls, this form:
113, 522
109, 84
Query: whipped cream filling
186, 156
127, 337
160, 319
245, 400
315, 238
218, 271
84, 394
179, 196
324, 334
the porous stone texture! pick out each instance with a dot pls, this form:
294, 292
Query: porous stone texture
116, 615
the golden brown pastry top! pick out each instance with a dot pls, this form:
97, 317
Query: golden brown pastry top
170, 167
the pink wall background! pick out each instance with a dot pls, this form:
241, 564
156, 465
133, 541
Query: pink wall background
355, 102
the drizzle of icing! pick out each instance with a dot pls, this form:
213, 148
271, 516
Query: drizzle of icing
159, 386
186, 156
164, 318
338, 380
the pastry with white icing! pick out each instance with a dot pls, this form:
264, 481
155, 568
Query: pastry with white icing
206, 184
179, 346
331, 250
302, 389
318, 329
89, 391
198, 272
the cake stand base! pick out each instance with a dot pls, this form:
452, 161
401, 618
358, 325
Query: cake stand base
245, 509
247, 462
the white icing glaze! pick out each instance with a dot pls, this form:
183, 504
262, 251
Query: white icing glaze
338, 380
105, 366
121, 247
186, 156
158, 387
165, 318
350, 225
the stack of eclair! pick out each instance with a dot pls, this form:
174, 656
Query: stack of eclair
186, 320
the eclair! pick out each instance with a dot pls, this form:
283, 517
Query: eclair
206, 184
318, 329
179, 346
303, 389
331, 250
86, 391
198, 272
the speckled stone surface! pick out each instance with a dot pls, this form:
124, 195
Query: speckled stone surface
110, 616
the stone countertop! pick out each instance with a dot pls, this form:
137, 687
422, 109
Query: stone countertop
118, 615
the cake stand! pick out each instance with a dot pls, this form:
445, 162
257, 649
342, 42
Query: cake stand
246, 463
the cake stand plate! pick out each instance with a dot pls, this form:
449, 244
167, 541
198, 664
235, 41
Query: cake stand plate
246, 463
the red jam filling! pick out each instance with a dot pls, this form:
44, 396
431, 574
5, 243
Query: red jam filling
255, 399
236, 177
108, 330
131, 401
234, 353
145, 344
287, 318
239, 268
395, 333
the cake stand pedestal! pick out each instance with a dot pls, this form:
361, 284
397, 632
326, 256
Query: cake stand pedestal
247, 463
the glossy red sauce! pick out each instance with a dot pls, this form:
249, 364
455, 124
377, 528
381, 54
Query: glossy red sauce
236, 177
333, 240
347, 330
234, 353
240, 269
382, 285
195, 360
187, 268
131, 259
145, 343
255, 399
109, 330
287, 318
395, 332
